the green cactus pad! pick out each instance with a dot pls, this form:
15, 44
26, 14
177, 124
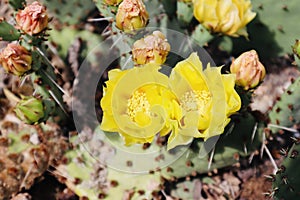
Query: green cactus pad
8, 32
185, 12
17, 4
109, 183
287, 182
69, 11
286, 111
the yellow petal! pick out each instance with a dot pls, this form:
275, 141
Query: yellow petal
218, 112
232, 98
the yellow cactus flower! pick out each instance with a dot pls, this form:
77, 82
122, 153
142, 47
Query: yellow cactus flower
138, 104
248, 69
229, 17
206, 98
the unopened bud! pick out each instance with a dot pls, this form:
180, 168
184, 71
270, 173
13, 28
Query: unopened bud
113, 2
153, 48
131, 15
15, 59
33, 19
229, 17
248, 69
30, 110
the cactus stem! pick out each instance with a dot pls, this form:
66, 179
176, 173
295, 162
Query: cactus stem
271, 159
283, 127
100, 19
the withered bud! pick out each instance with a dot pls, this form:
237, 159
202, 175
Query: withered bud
15, 59
33, 19
153, 48
131, 15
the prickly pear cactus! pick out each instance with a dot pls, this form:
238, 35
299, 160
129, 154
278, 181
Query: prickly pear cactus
286, 112
89, 177
287, 182
26, 152
69, 12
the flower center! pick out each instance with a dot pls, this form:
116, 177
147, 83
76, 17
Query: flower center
195, 101
138, 103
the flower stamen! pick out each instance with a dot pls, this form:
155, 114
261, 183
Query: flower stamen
138, 102
195, 101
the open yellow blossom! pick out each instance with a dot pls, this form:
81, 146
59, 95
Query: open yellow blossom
206, 98
229, 17
138, 104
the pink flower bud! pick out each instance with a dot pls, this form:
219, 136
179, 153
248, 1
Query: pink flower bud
15, 59
153, 48
248, 69
33, 19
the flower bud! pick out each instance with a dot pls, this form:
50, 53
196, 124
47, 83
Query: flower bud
248, 69
113, 2
296, 48
15, 59
131, 15
30, 110
33, 19
153, 48
229, 17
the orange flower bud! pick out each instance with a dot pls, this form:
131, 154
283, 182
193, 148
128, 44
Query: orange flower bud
131, 15
33, 19
153, 48
15, 59
248, 69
